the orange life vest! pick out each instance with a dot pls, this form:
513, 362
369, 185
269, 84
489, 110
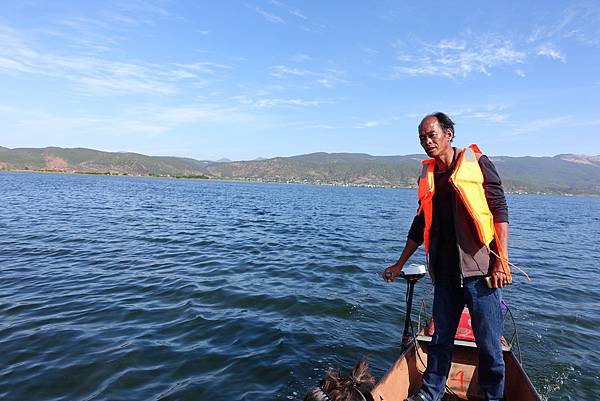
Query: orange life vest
467, 179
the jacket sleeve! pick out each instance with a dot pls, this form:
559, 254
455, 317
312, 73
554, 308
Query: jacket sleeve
494, 193
415, 232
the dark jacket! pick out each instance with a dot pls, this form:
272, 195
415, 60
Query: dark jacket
472, 256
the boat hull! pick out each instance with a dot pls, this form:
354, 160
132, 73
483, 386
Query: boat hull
404, 378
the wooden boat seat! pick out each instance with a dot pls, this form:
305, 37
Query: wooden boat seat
465, 343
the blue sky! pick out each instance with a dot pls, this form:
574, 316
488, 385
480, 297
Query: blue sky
259, 78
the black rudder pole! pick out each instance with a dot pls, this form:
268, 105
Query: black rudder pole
407, 322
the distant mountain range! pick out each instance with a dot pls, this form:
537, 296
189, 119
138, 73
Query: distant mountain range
562, 174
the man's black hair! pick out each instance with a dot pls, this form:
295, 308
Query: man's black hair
445, 121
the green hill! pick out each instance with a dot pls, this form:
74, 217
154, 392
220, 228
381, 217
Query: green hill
326, 168
569, 174
81, 160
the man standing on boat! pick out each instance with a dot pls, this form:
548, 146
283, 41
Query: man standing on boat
463, 222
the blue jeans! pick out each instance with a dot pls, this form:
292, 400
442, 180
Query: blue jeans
486, 319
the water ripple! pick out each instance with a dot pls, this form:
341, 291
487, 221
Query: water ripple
127, 288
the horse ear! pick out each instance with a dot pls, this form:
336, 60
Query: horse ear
362, 374
331, 379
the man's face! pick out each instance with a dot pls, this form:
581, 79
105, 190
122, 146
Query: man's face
434, 140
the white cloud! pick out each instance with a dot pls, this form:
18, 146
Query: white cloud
457, 58
579, 22
146, 121
400, 48
548, 50
327, 83
322, 126
473, 53
300, 57
96, 75
269, 17
328, 78
293, 11
122, 85
368, 124
193, 114
106, 25
304, 125
138, 12
264, 103
491, 113
89, 36
369, 51
281, 71
541, 124
124, 19
204, 67
298, 14
242, 99
452, 44
488, 116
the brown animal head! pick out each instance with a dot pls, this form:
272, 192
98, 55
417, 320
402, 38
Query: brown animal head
334, 387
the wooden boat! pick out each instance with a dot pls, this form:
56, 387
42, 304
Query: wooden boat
405, 376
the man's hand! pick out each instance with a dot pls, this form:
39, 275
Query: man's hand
390, 273
498, 278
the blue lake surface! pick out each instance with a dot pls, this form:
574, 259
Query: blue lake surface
117, 288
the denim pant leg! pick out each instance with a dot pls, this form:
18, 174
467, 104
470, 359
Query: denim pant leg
448, 303
486, 319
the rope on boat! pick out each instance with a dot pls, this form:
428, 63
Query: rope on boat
515, 336
511, 264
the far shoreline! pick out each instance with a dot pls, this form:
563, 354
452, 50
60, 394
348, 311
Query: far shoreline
262, 181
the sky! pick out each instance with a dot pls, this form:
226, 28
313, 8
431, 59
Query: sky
264, 78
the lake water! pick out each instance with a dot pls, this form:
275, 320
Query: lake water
116, 288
